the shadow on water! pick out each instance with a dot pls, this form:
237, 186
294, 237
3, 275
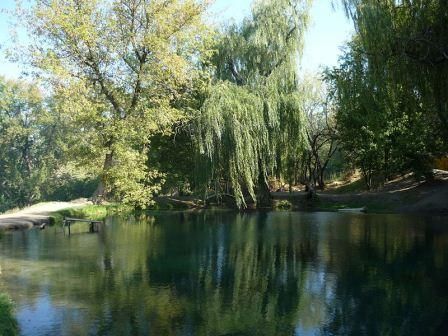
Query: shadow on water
225, 273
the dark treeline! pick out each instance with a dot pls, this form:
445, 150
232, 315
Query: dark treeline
132, 99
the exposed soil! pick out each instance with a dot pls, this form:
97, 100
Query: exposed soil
37, 214
404, 194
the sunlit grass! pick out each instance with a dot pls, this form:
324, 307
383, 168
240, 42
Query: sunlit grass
95, 212
352, 187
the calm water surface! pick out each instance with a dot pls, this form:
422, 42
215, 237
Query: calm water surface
223, 273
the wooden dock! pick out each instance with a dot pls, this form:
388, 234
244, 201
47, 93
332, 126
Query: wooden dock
94, 225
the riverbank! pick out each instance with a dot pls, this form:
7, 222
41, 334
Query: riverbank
402, 195
38, 214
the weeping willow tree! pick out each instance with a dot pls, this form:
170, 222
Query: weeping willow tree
407, 41
251, 125
391, 87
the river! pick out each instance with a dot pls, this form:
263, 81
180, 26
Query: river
227, 273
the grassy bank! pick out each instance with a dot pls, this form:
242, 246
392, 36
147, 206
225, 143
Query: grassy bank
8, 323
96, 212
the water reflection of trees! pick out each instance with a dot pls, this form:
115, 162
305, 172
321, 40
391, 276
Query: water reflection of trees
242, 274
392, 276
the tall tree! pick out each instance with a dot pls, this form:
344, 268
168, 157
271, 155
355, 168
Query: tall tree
27, 149
319, 109
251, 123
390, 86
407, 41
382, 124
117, 68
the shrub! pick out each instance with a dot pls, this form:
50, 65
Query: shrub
8, 323
283, 205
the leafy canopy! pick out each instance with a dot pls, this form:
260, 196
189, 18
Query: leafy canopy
253, 112
119, 69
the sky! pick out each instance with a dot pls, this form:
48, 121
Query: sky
329, 30
7, 69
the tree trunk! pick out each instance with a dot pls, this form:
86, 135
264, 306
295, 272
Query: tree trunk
278, 170
101, 192
386, 164
321, 180
311, 192
309, 178
367, 177
264, 199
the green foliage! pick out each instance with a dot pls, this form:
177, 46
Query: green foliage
251, 121
283, 205
391, 85
382, 124
406, 41
119, 71
173, 155
235, 134
8, 323
97, 212
144, 99
33, 154
27, 154
68, 187
321, 133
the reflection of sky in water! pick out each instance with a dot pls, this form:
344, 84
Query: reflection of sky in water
300, 331
220, 253
228, 274
319, 290
40, 318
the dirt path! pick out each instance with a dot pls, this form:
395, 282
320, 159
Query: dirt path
36, 214
403, 195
